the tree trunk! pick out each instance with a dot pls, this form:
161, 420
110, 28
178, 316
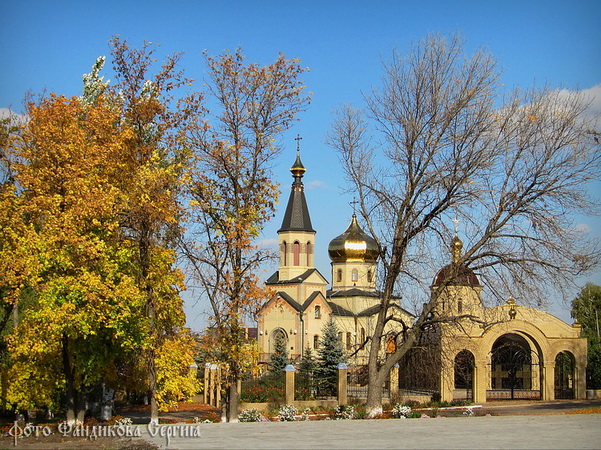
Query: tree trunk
152, 389
74, 403
233, 400
374, 386
374, 396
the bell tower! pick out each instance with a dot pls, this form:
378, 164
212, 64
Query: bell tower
296, 236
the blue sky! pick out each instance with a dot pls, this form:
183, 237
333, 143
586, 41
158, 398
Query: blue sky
49, 45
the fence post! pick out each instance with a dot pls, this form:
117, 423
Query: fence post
207, 384
289, 369
394, 383
217, 385
342, 384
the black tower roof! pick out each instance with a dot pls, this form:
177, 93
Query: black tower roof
297, 216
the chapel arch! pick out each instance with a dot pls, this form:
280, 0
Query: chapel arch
464, 375
565, 366
515, 368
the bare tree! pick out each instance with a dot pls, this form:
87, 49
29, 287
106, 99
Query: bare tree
440, 139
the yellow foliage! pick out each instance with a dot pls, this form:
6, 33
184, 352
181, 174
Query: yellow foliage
176, 373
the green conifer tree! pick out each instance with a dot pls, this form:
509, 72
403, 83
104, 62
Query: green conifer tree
329, 355
306, 373
279, 358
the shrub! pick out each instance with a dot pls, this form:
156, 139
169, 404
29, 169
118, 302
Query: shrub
251, 415
269, 388
287, 413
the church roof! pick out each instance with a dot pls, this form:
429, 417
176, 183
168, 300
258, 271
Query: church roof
376, 308
310, 299
293, 303
296, 217
275, 278
338, 310
290, 301
353, 292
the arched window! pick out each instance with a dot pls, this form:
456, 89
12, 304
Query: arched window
362, 335
349, 340
390, 344
309, 252
278, 336
459, 306
296, 253
317, 312
339, 275
355, 276
316, 342
370, 276
285, 251
340, 337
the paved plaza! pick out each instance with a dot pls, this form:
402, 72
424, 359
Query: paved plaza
534, 431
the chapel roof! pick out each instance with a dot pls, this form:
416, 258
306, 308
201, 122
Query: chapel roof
456, 273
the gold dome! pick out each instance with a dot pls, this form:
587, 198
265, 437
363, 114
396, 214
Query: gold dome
456, 248
353, 245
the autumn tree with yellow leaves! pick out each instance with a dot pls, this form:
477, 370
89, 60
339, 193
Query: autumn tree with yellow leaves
151, 213
94, 200
96, 211
83, 306
232, 195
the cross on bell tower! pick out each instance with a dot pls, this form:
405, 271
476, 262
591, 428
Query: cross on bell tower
298, 138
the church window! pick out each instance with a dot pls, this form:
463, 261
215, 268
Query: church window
318, 312
349, 338
285, 250
340, 336
370, 276
459, 306
390, 344
316, 342
339, 275
296, 253
362, 335
309, 252
355, 275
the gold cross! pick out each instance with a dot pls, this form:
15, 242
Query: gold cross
456, 220
298, 139
354, 204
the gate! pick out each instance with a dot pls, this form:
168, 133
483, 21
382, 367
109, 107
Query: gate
564, 376
515, 371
